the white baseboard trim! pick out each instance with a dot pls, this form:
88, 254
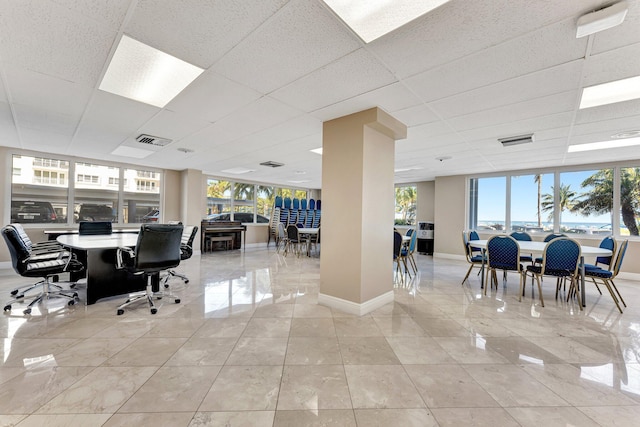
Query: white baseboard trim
355, 308
449, 256
629, 276
7, 265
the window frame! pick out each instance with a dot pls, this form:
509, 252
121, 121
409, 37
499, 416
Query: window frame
71, 184
615, 218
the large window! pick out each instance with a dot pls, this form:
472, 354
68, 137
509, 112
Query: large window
629, 201
243, 196
574, 202
585, 201
406, 197
265, 201
95, 199
531, 207
488, 203
141, 195
218, 196
39, 190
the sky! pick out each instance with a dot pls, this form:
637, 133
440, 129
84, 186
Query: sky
524, 190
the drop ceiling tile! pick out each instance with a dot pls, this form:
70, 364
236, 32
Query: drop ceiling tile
48, 38
199, 31
504, 62
352, 75
555, 80
108, 121
174, 126
622, 35
211, 97
260, 115
395, 99
458, 29
302, 37
109, 14
613, 65
539, 107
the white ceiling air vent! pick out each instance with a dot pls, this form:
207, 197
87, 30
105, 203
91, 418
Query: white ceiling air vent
152, 140
272, 164
516, 140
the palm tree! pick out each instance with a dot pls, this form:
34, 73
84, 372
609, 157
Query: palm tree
406, 201
567, 199
538, 180
599, 199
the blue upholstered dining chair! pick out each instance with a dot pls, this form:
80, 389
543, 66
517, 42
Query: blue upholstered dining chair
397, 259
303, 204
472, 259
607, 243
312, 204
523, 237
547, 239
559, 259
407, 252
607, 276
503, 253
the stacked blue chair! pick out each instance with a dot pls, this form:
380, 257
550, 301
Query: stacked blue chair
312, 204
279, 202
316, 219
308, 222
296, 203
318, 205
303, 204
287, 203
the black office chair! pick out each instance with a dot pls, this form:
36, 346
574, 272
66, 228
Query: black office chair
186, 250
86, 228
157, 249
46, 266
48, 249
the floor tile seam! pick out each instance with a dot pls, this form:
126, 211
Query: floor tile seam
520, 367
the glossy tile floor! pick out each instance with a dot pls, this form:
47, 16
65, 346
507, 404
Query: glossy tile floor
249, 346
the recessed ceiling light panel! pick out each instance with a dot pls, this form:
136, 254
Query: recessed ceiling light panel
371, 19
145, 74
618, 143
602, 19
238, 171
610, 93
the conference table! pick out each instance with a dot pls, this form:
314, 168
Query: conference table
537, 248
103, 278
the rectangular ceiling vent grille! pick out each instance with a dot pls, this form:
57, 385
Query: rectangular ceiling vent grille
272, 164
516, 140
153, 140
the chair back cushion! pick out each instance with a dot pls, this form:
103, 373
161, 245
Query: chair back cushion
86, 228
186, 241
552, 236
397, 244
620, 257
17, 248
561, 255
503, 252
158, 247
521, 235
607, 243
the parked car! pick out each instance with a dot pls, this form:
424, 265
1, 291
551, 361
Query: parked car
94, 212
152, 216
238, 216
32, 212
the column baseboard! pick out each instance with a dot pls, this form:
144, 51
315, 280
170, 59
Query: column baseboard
355, 308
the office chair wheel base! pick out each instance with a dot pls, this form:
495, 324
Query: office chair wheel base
120, 312
177, 300
72, 302
27, 311
186, 281
75, 295
154, 310
166, 286
19, 296
13, 292
7, 307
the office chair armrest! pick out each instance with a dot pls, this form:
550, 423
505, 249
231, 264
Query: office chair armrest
47, 246
186, 251
46, 256
120, 262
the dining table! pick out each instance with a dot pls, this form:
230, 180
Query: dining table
537, 248
308, 231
